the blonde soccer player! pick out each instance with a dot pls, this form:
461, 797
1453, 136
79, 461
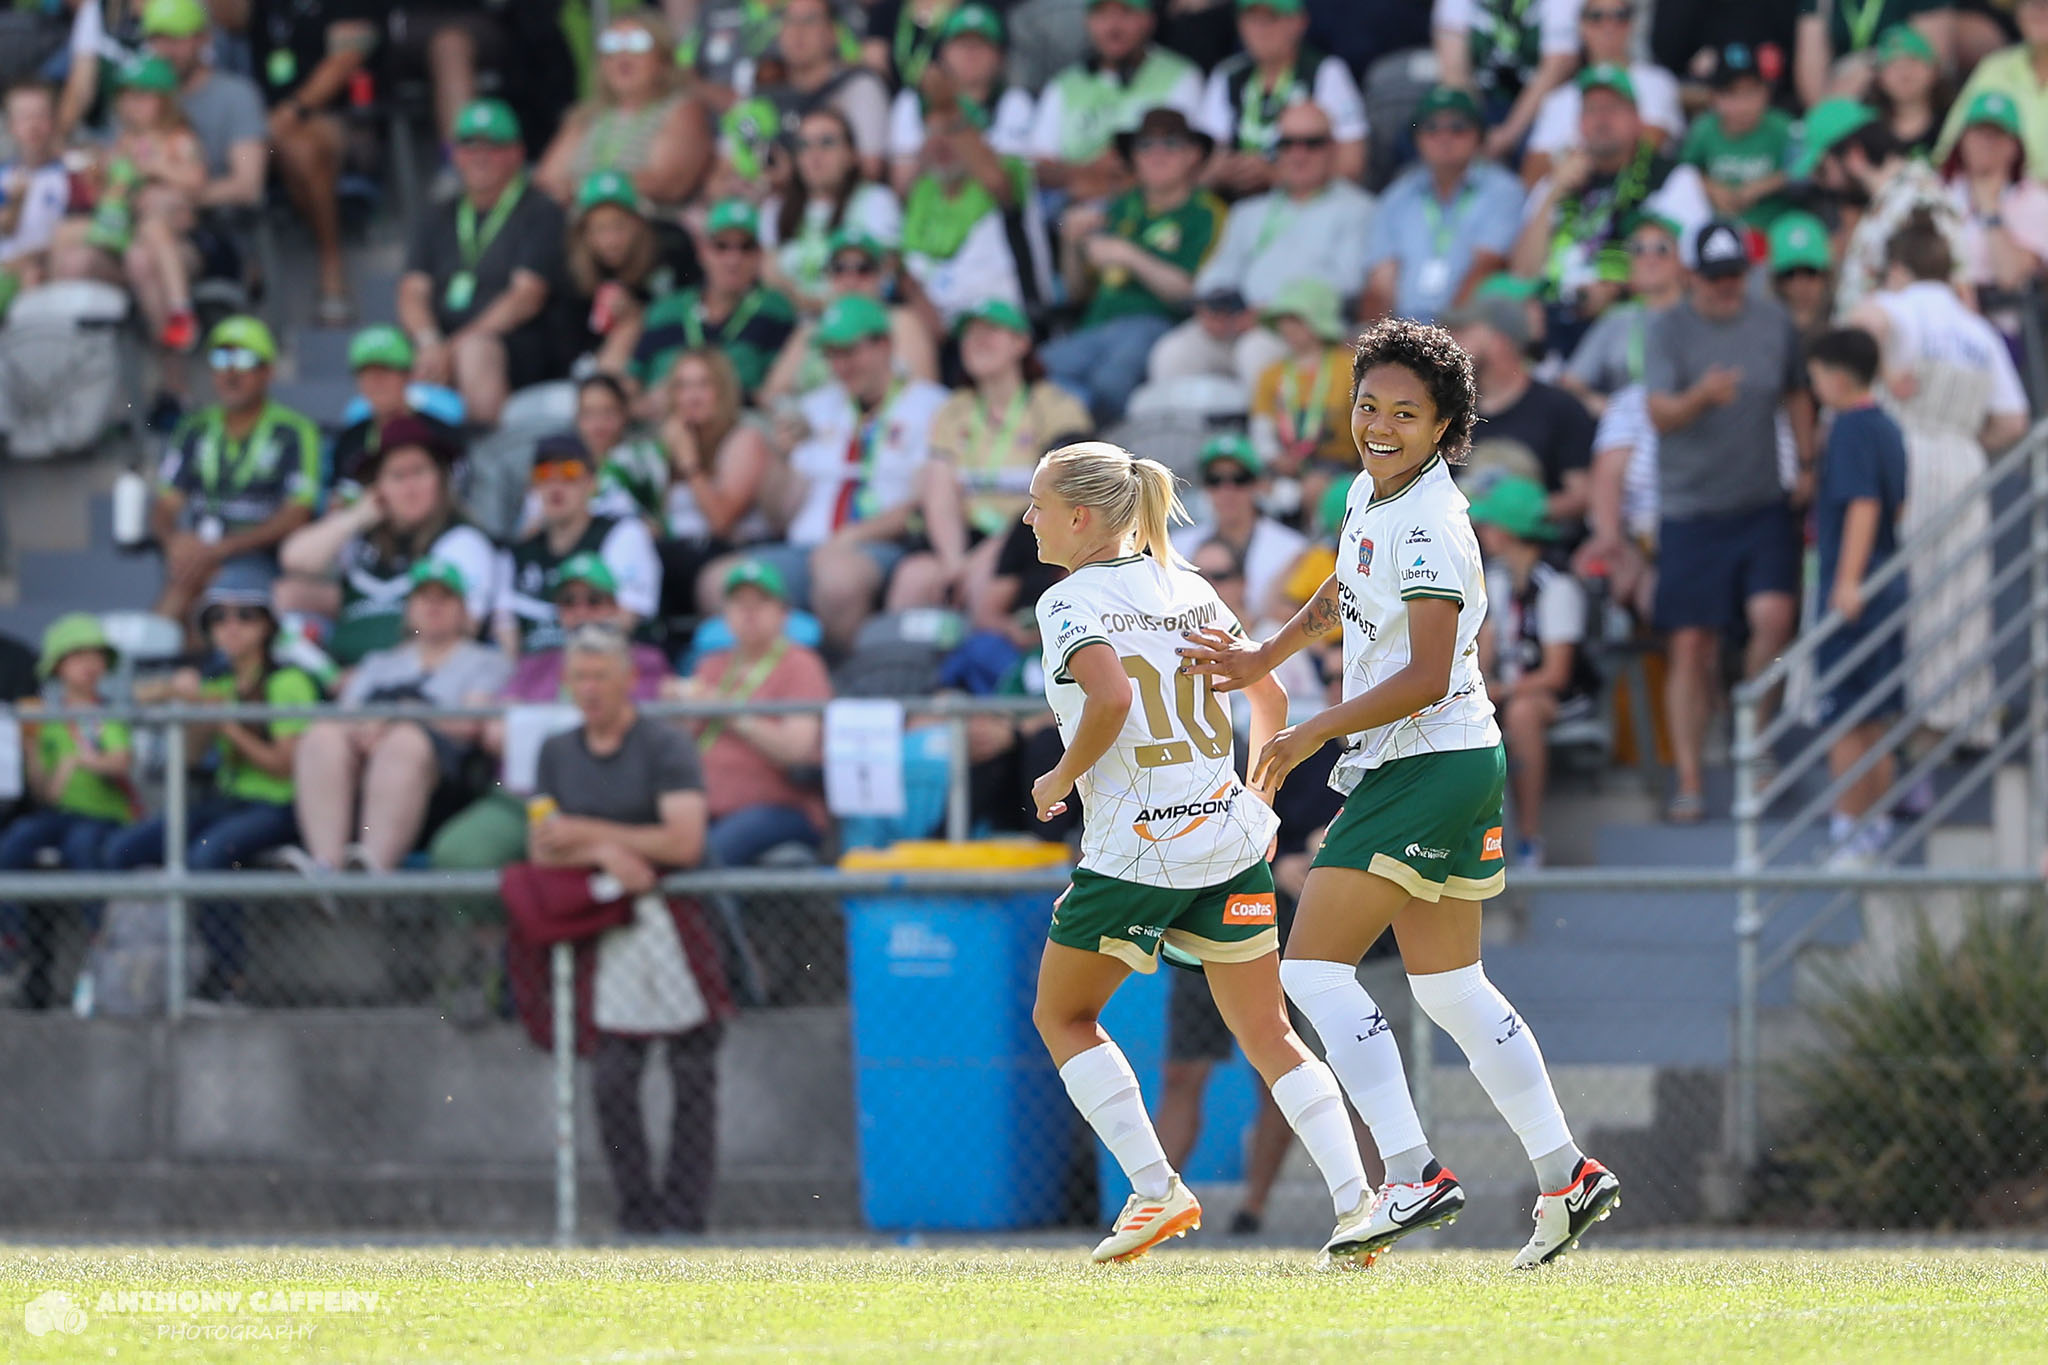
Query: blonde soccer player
1173, 846
1417, 845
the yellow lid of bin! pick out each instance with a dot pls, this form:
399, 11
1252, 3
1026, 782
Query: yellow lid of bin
939, 855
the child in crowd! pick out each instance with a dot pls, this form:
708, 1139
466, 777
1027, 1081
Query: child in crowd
1862, 489
1741, 146
153, 168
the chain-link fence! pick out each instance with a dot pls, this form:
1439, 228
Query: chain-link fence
814, 1050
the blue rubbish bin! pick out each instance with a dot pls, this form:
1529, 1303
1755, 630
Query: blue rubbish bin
1136, 1018
963, 1121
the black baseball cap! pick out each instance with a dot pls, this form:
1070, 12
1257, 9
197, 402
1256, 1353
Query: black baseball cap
1735, 62
1720, 251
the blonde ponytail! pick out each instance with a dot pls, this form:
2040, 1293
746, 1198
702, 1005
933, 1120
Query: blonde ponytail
1137, 498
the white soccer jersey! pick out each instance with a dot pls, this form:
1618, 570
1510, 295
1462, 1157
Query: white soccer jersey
1415, 544
1164, 806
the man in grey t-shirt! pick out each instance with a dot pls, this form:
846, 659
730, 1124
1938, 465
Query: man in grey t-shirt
1719, 369
225, 110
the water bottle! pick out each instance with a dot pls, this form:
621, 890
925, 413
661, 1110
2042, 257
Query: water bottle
82, 992
131, 510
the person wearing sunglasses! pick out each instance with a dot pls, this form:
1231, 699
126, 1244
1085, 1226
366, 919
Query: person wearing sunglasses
733, 309
638, 120
858, 265
1444, 224
237, 477
827, 194
813, 71
1233, 479
1609, 357
1311, 223
1606, 38
1802, 271
564, 478
249, 811
481, 271
967, 67
1511, 53
1242, 101
1084, 106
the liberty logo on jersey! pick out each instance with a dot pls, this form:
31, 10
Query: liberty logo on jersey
1197, 813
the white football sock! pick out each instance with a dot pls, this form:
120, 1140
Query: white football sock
1504, 1057
1314, 1108
1358, 1043
1103, 1087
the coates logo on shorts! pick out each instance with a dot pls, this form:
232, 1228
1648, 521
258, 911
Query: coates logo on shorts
53, 1311
1489, 851
1196, 813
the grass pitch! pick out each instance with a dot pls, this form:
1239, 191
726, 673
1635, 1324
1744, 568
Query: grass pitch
1010, 1305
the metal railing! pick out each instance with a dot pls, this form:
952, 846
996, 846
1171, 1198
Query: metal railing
1756, 855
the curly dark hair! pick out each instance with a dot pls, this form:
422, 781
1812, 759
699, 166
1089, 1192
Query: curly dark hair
1430, 355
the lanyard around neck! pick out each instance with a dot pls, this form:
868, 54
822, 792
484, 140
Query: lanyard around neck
218, 443
1261, 109
735, 322
474, 242
1443, 227
913, 51
737, 686
986, 456
1305, 413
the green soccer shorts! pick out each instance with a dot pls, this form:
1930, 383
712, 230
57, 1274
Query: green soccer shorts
1233, 921
1431, 824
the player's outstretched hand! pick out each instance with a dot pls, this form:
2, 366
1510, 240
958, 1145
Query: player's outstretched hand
1233, 661
1283, 753
1049, 794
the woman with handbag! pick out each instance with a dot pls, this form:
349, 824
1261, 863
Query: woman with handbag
623, 795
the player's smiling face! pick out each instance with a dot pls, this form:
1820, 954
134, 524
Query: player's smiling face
1394, 422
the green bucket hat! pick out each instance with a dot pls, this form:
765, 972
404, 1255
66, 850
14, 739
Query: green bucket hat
245, 332
754, 573
607, 187
851, 319
1232, 446
1798, 240
147, 72
174, 19
996, 312
586, 568
1902, 40
1514, 504
978, 21
1608, 76
487, 121
1312, 300
733, 215
1826, 124
380, 347
440, 572
1994, 108
1449, 99
69, 634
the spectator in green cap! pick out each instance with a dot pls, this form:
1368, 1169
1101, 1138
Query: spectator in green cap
1607, 37
857, 264
564, 481
1445, 222
957, 247
236, 478
828, 194
1909, 93
1836, 47
2012, 72
967, 67
307, 66
732, 310
364, 787
78, 774
1802, 271
482, 271
1742, 146
1233, 479
225, 111
621, 259
1085, 105
1533, 650
1609, 357
1244, 95
381, 359
857, 449
638, 120
154, 172
1301, 404
767, 793
1511, 58
2004, 210
1135, 260
988, 438
1848, 151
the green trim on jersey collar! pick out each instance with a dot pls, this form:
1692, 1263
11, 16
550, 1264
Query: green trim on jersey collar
1109, 563
1421, 472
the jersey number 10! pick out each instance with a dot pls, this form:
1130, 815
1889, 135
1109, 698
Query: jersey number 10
1203, 718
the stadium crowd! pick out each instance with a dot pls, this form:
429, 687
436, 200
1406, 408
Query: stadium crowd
818, 282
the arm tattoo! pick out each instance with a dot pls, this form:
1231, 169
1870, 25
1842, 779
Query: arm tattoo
1322, 616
